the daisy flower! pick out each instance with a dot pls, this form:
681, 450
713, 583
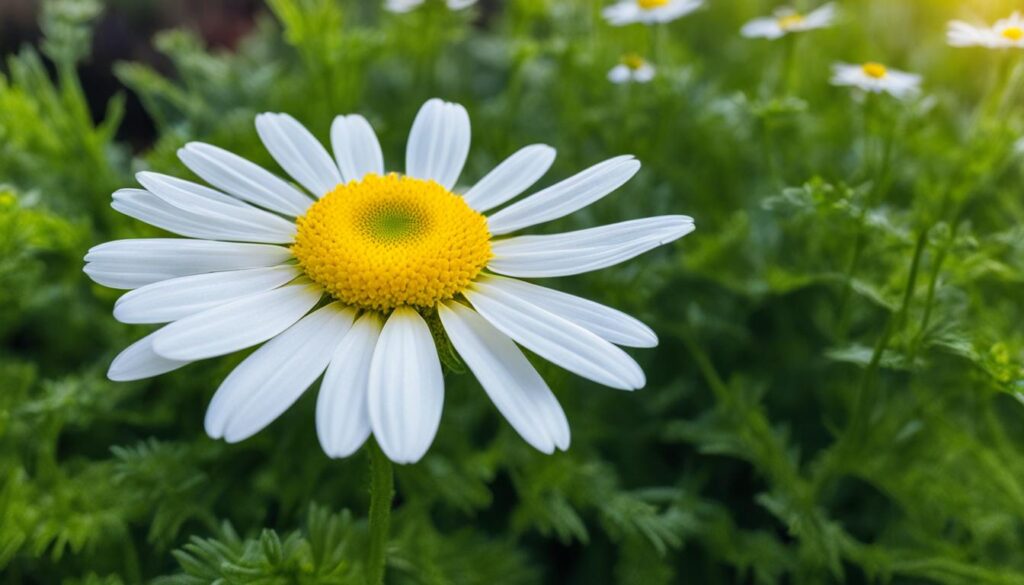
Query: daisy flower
787, 20
1004, 34
876, 78
356, 276
631, 69
403, 6
648, 11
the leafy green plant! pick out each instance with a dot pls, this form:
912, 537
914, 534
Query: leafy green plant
838, 389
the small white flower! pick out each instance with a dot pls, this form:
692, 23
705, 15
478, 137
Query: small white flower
403, 6
1004, 34
648, 11
787, 20
876, 78
631, 69
341, 274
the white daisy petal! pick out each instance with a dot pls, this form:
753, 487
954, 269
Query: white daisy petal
620, 74
513, 385
821, 17
243, 179
236, 325
139, 361
623, 232
356, 148
548, 264
676, 9
607, 323
177, 298
134, 263
766, 28
169, 186
510, 178
406, 388
438, 143
197, 199
298, 152
115, 278
401, 6
622, 12
644, 73
565, 197
585, 250
555, 339
342, 418
147, 207
962, 34
629, 11
270, 380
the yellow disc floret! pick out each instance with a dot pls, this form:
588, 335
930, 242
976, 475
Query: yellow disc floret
1013, 33
651, 4
393, 241
633, 61
876, 70
791, 20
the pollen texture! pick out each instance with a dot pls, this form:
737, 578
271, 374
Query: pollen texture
392, 241
633, 61
790, 21
651, 4
876, 70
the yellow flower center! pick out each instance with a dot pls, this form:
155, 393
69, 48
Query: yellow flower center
633, 61
393, 241
1013, 33
790, 20
876, 70
651, 4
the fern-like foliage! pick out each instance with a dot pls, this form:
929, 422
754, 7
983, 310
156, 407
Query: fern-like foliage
838, 388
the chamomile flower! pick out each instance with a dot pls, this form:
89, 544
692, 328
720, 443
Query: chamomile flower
402, 6
648, 11
631, 69
354, 275
787, 20
1004, 34
876, 78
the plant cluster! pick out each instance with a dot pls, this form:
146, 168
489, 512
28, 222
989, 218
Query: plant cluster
836, 397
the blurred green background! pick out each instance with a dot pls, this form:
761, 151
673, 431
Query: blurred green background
837, 393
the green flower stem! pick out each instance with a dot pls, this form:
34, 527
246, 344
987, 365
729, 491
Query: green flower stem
933, 281
874, 196
723, 394
1010, 82
382, 492
864, 401
908, 293
658, 34
785, 81
843, 312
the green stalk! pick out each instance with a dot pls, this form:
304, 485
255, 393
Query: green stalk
908, 294
382, 493
855, 434
785, 81
930, 298
875, 195
723, 394
657, 43
1009, 87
